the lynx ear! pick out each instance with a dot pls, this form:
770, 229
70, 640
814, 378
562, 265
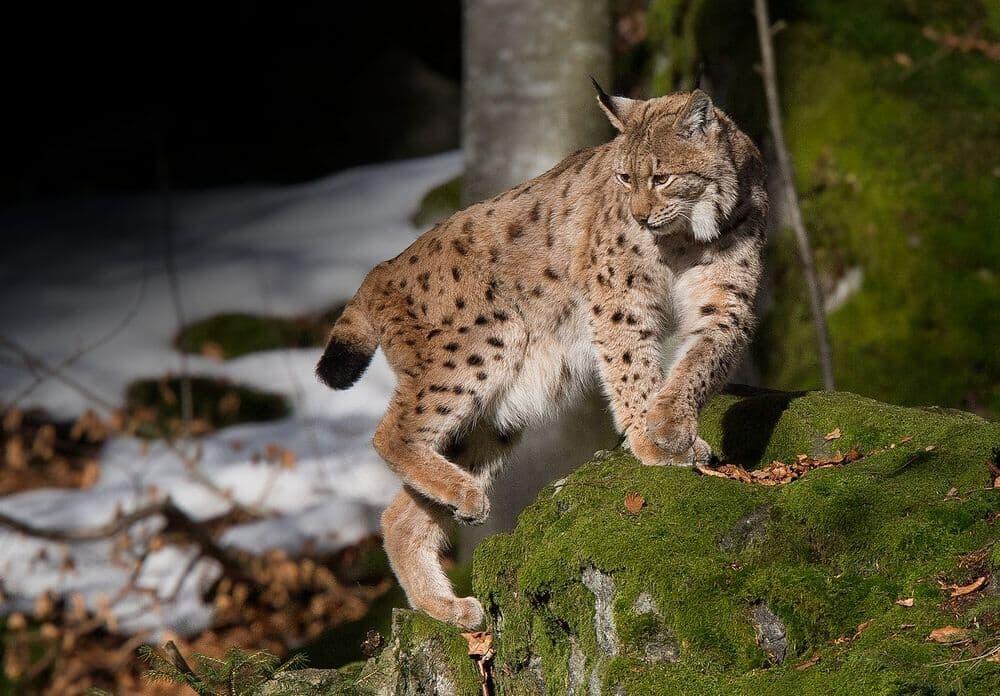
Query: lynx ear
617, 109
696, 116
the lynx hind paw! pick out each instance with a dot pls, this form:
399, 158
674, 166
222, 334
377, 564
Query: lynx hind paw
469, 613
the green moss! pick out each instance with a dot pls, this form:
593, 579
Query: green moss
897, 175
835, 549
236, 334
438, 203
156, 404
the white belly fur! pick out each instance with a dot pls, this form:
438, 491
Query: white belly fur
557, 366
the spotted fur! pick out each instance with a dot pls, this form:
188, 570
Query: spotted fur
499, 316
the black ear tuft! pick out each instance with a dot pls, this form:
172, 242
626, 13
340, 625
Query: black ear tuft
602, 96
616, 109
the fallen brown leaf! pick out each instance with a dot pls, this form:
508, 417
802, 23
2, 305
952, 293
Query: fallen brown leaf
959, 590
708, 471
862, 627
808, 663
908, 602
480, 642
951, 494
832, 435
634, 502
948, 634
905, 438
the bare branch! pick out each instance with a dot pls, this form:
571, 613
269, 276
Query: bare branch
769, 73
176, 521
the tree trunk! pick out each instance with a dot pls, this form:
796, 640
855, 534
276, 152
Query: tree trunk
527, 101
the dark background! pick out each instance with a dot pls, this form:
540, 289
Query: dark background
233, 94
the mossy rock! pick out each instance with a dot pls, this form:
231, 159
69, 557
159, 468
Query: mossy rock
423, 656
231, 335
716, 586
720, 587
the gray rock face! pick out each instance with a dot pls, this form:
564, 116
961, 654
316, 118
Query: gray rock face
747, 531
603, 587
661, 644
771, 634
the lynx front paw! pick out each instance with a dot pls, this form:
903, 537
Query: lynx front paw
473, 507
673, 432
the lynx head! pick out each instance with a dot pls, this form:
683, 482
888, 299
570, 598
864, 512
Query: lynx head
673, 160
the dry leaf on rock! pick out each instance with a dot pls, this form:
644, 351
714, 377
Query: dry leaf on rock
634, 502
808, 663
948, 634
959, 590
480, 642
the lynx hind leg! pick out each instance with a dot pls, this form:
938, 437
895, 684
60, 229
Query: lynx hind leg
415, 533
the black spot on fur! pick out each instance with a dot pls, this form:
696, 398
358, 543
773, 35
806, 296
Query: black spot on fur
480, 320
459, 303
451, 347
617, 317
551, 274
450, 364
707, 310
443, 410
456, 273
475, 359
500, 316
495, 342
481, 376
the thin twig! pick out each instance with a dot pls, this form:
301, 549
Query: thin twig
787, 177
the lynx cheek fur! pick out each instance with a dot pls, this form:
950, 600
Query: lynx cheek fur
496, 317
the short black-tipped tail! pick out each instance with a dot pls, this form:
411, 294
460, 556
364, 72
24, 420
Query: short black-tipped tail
350, 348
342, 364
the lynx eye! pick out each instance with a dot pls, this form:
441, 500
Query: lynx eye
623, 178
662, 179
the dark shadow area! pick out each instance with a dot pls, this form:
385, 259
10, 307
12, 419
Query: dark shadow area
747, 425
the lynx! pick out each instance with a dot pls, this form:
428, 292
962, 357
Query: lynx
500, 315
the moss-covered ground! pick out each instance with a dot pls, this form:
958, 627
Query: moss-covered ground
230, 335
155, 404
835, 550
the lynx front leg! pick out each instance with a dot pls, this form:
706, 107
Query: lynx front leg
626, 332
717, 324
